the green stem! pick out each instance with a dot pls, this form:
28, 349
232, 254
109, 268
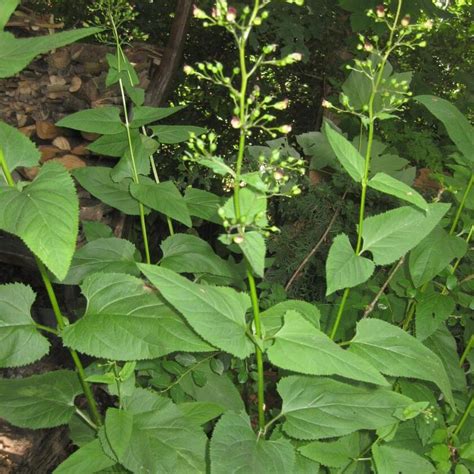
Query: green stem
75, 357
458, 261
46, 329
468, 349
461, 205
6, 171
464, 416
368, 153
136, 178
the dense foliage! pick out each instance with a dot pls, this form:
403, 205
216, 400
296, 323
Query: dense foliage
215, 358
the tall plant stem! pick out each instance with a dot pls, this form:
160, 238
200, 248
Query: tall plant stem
136, 178
370, 140
244, 76
57, 313
464, 416
461, 205
468, 349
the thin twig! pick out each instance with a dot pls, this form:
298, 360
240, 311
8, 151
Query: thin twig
316, 247
371, 306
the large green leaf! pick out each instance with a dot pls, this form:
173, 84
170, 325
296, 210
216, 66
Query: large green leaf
302, 348
346, 153
394, 352
392, 234
20, 341
203, 204
161, 438
171, 134
162, 197
200, 413
39, 401
432, 310
16, 54
110, 255
17, 149
253, 247
97, 180
186, 253
112, 145
45, 215
433, 254
103, 120
145, 115
126, 321
8, 7
89, 458
253, 208
389, 185
216, 314
94, 230
344, 268
391, 460
236, 448
318, 407
458, 127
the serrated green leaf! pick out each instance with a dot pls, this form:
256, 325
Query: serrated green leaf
254, 249
394, 352
171, 134
199, 413
17, 53
80, 432
89, 458
302, 348
94, 230
39, 401
390, 235
344, 268
318, 407
8, 7
18, 150
433, 254
162, 197
103, 120
97, 180
390, 460
337, 453
20, 341
389, 185
118, 428
432, 310
236, 448
458, 127
145, 115
111, 145
346, 153
110, 255
186, 253
45, 215
126, 321
216, 314
203, 204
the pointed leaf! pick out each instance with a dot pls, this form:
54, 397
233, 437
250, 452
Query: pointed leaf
94, 230
203, 204
254, 248
125, 321
103, 120
110, 145
18, 150
97, 180
392, 234
8, 7
348, 156
118, 429
39, 401
110, 255
302, 348
216, 314
318, 407
199, 413
235, 448
387, 184
391, 460
171, 134
394, 352
162, 197
145, 115
433, 254
458, 127
17, 53
20, 341
432, 310
345, 269
45, 215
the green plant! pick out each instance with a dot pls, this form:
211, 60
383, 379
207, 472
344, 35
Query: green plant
176, 353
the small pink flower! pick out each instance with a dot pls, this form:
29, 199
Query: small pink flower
238, 239
282, 105
198, 13
235, 122
285, 129
296, 56
231, 14
368, 47
380, 11
326, 104
188, 69
405, 21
